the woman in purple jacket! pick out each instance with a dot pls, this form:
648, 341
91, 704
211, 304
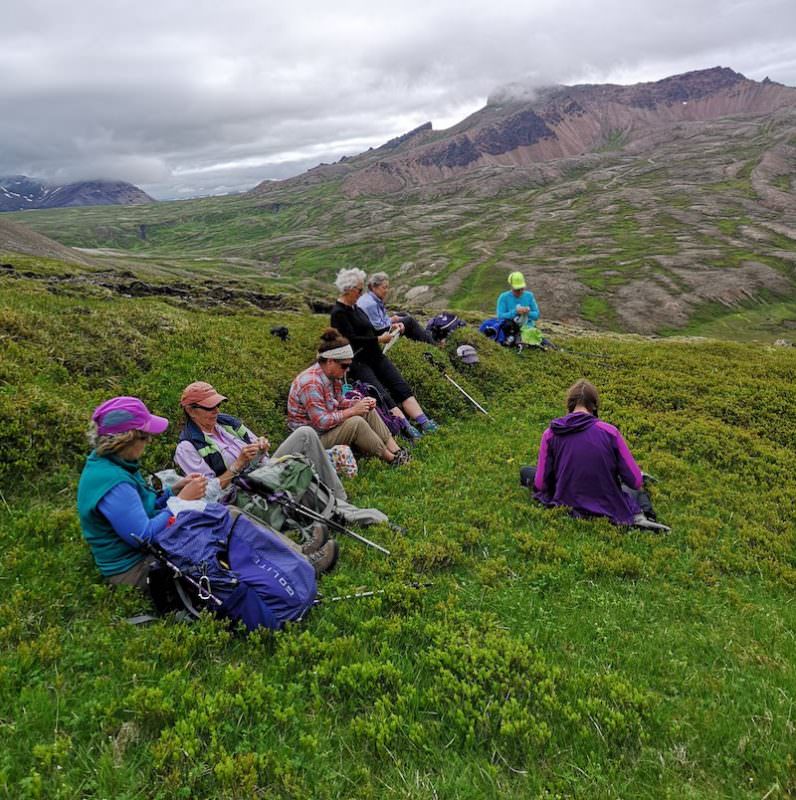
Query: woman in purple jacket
584, 464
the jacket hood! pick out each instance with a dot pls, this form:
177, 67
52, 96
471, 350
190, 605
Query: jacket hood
572, 423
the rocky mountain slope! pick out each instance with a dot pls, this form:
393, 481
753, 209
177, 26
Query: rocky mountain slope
668, 223
519, 128
19, 193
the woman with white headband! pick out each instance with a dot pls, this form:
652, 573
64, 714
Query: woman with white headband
316, 399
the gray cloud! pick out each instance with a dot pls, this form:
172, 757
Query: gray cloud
197, 97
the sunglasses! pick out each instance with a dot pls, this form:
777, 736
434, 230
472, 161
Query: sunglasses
205, 408
144, 437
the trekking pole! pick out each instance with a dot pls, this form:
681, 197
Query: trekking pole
320, 600
203, 590
284, 500
443, 372
357, 595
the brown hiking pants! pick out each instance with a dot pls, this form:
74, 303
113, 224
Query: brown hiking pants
368, 434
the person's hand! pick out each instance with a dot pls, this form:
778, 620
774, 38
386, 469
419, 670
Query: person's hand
523, 309
385, 337
180, 484
194, 488
246, 456
363, 407
249, 452
395, 319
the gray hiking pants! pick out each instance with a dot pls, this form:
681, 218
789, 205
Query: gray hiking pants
305, 441
414, 330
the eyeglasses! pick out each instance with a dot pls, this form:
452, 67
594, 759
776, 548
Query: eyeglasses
205, 408
345, 364
359, 289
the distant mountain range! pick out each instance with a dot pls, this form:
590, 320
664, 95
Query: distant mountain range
520, 128
18, 192
660, 207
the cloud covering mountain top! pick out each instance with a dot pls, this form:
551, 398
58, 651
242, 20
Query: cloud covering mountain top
185, 98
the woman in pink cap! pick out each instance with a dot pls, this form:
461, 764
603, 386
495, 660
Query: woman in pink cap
118, 510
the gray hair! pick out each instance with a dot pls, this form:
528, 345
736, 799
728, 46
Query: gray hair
347, 279
378, 279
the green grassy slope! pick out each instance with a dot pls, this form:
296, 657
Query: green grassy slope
551, 657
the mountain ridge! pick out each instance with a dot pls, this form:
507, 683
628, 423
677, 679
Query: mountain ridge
684, 225
19, 192
555, 123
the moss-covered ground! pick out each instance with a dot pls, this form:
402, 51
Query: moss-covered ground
549, 657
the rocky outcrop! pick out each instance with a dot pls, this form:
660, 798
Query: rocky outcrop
18, 193
205, 294
415, 136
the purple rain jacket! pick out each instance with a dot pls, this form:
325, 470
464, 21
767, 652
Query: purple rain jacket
581, 463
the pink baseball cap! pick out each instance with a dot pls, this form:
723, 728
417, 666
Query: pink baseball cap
121, 414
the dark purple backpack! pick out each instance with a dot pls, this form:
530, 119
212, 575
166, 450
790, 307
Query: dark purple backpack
362, 389
443, 325
260, 581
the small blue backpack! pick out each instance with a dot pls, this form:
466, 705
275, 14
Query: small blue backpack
493, 328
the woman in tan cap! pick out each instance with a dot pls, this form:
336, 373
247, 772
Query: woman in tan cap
220, 445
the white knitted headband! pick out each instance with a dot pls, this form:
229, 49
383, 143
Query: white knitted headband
338, 353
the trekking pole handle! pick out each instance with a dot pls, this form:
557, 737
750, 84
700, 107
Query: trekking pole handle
434, 363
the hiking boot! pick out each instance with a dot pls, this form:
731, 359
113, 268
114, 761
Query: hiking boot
411, 432
324, 559
401, 457
318, 536
429, 426
645, 523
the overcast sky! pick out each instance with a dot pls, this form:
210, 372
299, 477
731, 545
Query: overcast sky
189, 97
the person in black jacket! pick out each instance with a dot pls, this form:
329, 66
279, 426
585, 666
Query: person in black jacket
370, 364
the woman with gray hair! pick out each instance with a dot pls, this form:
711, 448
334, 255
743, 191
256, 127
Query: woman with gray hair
370, 365
372, 303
